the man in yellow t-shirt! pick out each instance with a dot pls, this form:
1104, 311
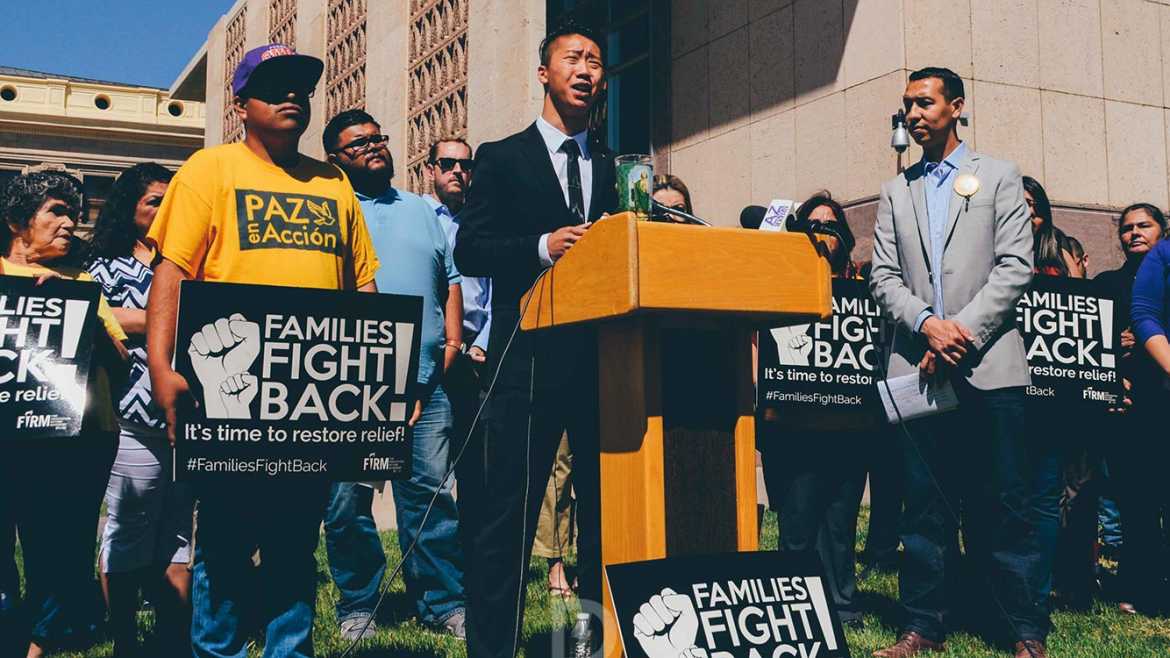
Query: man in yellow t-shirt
257, 212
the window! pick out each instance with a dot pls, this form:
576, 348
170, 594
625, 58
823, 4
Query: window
97, 190
625, 25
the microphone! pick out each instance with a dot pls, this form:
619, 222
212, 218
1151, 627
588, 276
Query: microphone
659, 210
752, 216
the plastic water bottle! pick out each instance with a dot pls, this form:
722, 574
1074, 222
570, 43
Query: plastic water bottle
582, 637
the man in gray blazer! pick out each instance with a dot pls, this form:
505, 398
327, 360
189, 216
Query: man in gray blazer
952, 256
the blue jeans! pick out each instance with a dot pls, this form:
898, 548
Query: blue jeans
434, 571
281, 519
975, 460
356, 558
1047, 449
1110, 519
1107, 514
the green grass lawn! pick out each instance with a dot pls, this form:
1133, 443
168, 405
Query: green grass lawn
1103, 633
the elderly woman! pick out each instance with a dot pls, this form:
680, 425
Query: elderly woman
57, 485
146, 540
1141, 228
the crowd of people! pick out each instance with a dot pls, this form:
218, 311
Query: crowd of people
951, 258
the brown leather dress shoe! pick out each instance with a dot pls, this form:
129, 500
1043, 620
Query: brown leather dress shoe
1031, 649
910, 644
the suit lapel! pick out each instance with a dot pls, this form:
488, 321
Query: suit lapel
546, 179
918, 199
959, 202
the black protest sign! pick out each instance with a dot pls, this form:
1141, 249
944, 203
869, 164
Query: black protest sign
46, 344
822, 374
735, 605
1068, 331
295, 382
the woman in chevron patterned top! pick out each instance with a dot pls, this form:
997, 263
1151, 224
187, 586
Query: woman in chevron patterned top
146, 542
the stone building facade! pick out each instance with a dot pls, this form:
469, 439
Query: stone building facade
91, 128
747, 100
407, 62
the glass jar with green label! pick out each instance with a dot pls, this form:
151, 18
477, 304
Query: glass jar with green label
635, 177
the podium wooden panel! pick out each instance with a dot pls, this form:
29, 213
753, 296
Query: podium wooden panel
675, 307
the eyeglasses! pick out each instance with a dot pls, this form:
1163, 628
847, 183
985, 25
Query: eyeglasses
275, 94
447, 164
363, 144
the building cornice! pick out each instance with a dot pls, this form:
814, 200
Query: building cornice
98, 105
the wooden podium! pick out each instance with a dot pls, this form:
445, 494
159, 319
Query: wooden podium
675, 306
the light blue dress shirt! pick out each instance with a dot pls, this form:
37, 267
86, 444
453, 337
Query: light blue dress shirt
418, 262
939, 179
477, 291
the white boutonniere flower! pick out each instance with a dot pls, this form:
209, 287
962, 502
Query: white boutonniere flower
966, 185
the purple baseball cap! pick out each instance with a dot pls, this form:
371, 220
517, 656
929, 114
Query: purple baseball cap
276, 61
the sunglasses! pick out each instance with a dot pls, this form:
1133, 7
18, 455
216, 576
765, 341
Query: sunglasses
363, 144
447, 164
275, 94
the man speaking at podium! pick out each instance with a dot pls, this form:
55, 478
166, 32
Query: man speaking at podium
533, 196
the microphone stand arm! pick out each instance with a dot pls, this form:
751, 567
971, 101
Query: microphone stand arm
685, 216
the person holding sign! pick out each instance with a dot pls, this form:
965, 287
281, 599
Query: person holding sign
1140, 228
57, 529
1145, 538
257, 212
406, 232
819, 476
1064, 463
146, 539
952, 257
532, 198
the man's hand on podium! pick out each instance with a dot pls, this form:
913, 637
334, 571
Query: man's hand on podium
563, 239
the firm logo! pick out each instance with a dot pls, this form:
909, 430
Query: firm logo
270, 220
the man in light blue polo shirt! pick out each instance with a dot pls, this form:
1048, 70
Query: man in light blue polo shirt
412, 243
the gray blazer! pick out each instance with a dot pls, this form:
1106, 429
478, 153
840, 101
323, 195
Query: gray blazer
986, 268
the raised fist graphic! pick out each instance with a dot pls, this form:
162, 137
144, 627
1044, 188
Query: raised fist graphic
666, 626
221, 354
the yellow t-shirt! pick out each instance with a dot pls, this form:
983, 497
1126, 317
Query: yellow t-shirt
230, 216
99, 411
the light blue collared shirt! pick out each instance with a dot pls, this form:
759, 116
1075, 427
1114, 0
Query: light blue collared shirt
477, 291
404, 232
939, 179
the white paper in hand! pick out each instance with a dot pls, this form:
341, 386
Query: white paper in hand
911, 396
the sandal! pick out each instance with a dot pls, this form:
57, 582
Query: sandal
558, 584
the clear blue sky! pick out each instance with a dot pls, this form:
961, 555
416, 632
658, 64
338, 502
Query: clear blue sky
146, 42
